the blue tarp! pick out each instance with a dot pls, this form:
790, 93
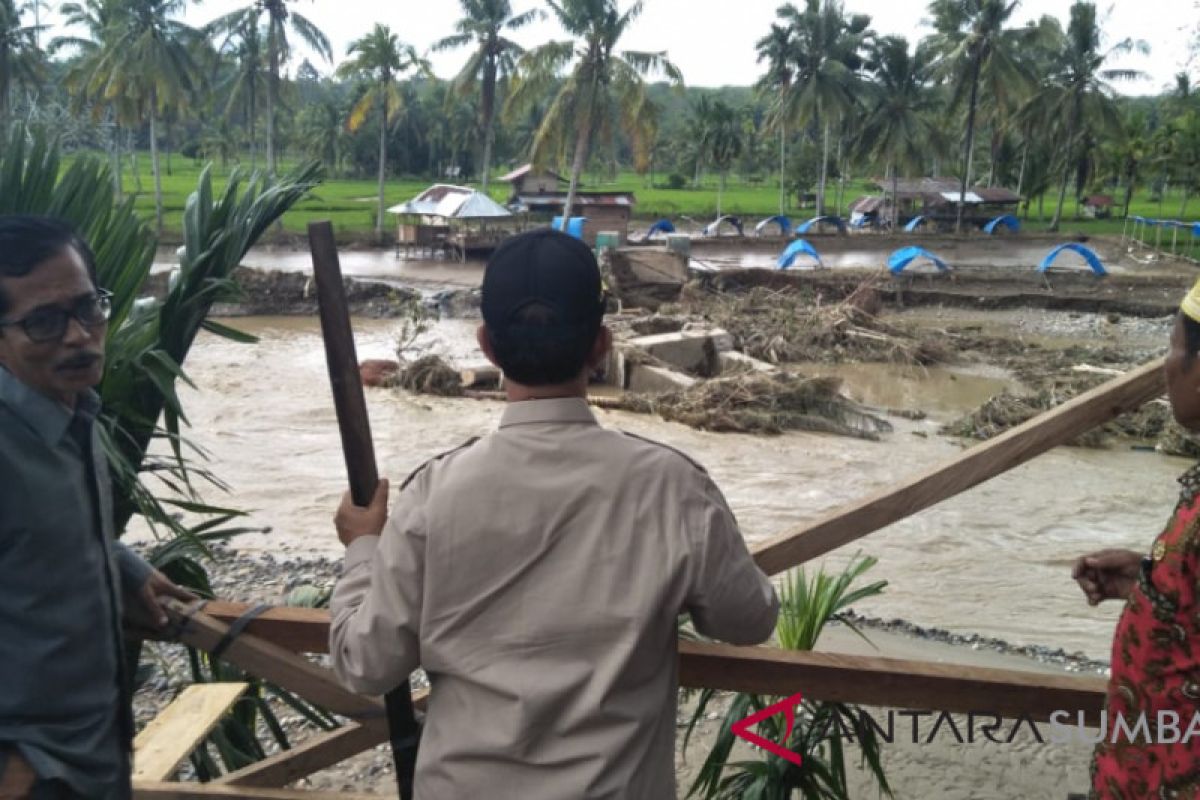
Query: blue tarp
715, 226
861, 222
1196, 229
915, 223
574, 226
1092, 259
798, 247
804, 228
785, 224
1007, 220
900, 259
662, 226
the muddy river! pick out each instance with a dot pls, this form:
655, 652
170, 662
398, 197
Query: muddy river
994, 561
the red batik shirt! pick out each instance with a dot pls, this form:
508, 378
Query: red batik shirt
1156, 669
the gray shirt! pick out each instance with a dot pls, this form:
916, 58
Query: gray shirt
62, 705
537, 575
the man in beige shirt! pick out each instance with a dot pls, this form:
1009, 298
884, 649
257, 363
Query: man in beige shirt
538, 573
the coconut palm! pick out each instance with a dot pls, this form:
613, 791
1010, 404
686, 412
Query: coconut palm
896, 130
825, 58
721, 141
246, 45
975, 50
776, 48
280, 18
143, 63
1078, 95
603, 90
379, 57
21, 61
484, 23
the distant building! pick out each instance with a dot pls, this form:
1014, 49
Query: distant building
937, 200
1098, 206
526, 180
603, 211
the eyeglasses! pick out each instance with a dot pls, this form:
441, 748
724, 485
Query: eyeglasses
50, 324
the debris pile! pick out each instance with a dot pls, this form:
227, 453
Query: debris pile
763, 403
430, 375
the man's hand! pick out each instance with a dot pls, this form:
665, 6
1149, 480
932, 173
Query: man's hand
16, 777
1107, 574
354, 521
156, 587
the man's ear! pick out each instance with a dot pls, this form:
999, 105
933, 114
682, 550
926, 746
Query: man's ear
485, 344
600, 347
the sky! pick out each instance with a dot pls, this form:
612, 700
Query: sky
712, 41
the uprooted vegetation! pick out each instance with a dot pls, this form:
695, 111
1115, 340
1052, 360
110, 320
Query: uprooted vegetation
1153, 422
763, 403
783, 326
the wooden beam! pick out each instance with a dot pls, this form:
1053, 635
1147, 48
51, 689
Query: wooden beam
179, 728
318, 753
980, 463
890, 682
857, 679
304, 630
205, 791
315, 754
276, 664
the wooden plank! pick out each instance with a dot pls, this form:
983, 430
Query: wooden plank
204, 791
857, 679
980, 463
276, 664
304, 759
304, 630
179, 728
890, 682
315, 754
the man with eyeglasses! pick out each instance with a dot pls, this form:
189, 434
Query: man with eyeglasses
65, 719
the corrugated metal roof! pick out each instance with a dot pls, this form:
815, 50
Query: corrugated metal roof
522, 171
452, 202
946, 189
620, 199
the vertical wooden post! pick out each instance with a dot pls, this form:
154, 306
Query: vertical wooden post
355, 428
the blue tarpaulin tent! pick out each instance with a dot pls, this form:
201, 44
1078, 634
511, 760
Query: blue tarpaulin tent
714, 228
900, 259
807, 226
785, 224
1196, 229
662, 226
574, 226
915, 223
1092, 259
1007, 220
798, 247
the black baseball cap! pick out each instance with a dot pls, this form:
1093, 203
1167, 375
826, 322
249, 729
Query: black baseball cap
546, 268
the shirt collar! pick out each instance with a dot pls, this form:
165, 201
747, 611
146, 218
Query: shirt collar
48, 418
557, 410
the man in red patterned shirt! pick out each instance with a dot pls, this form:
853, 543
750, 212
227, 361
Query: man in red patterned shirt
1151, 742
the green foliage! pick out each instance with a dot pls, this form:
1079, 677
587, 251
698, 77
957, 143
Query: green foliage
806, 606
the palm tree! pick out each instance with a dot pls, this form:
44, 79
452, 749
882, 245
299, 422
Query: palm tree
379, 57
484, 22
247, 45
974, 48
279, 19
143, 60
603, 89
322, 130
721, 141
897, 131
21, 61
826, 57
777, 49
1078, 92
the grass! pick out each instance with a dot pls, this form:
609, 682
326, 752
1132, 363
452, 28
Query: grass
350, 203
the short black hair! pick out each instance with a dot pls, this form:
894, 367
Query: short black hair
536, 349
27, 240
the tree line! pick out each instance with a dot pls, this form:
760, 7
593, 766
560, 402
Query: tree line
1031, 107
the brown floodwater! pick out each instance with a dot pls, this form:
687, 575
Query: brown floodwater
995, 560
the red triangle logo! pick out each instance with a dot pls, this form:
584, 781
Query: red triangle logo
788, 708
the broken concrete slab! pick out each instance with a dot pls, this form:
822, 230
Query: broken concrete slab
734, 361
650, 379
693, 351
